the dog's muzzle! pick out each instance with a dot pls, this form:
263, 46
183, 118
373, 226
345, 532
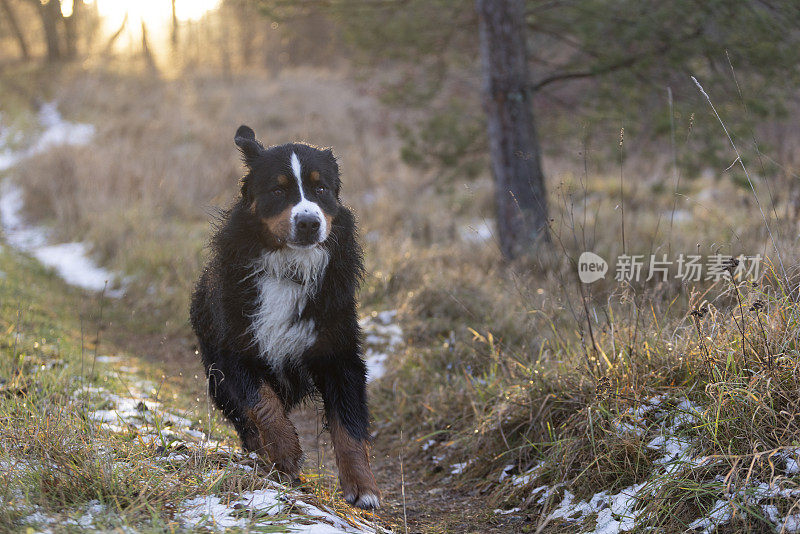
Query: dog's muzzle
306, 229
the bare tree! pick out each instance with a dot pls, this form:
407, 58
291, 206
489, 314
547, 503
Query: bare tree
71, 31
15, 28
109, 47
50, 13
174, 33
146, 52
520, 198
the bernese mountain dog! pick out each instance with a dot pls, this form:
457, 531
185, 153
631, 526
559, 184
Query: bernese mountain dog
275, 315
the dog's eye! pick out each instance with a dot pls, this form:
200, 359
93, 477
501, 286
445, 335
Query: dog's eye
278, 192
321, 189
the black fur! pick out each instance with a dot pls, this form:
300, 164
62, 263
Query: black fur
225, 298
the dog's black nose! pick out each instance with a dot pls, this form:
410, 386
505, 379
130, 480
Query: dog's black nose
306, 228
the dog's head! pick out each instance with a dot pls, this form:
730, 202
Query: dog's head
292, 190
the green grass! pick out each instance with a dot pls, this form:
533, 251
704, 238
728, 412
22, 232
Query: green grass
59, 463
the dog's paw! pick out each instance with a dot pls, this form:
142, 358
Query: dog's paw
365, 496
367, 501
289, 465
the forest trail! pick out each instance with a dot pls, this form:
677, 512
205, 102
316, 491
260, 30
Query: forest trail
411, 501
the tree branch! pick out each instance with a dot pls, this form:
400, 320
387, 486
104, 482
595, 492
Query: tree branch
624, 63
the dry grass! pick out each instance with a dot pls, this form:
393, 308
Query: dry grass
65, 471
505, 365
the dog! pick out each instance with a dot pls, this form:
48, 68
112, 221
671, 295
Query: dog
275, 314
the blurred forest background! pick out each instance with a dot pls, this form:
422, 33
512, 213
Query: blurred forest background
484, 145
605, 83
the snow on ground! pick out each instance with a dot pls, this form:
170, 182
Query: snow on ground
616, 513
69, 260
382, 335
56, 132
257, 506
457, 469
139, 412
478, 231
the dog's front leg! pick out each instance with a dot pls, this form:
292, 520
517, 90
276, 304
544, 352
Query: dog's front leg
277, 433
343, 389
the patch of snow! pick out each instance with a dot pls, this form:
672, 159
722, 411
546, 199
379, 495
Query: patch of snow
790, 524
790, 456
504, 512
381, 333
210, 511
720, 514
263, 505
771, 512
69, 260
86, 520
386, 317
675, 451
56, 132
689, 413
506, 470
174, 457
615, 513
17, 233
457, 469
620, 515
624, 427
525, 478
478, 231
38, 517
196, 434
108, 359
376, 364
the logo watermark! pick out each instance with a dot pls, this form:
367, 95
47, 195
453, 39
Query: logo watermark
591, 267
686, 267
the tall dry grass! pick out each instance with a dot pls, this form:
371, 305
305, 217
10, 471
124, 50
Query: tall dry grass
509, 364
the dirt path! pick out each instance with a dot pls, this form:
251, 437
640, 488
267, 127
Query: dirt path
428, 506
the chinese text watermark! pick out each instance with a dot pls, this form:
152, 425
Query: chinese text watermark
658, 267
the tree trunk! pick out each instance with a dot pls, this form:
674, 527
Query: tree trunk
174, 32
146, 53
520, 196
71, 31
50, 14
109, 48
12, 21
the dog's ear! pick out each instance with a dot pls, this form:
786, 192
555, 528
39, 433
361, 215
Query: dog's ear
245, 139
337, 181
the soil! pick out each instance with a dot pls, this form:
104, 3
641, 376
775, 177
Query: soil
413, 499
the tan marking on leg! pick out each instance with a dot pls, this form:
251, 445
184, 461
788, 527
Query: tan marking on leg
279, 226
251, 442
355, 476
278, 435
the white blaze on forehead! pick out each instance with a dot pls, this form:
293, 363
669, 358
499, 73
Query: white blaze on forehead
306, 206
296, 171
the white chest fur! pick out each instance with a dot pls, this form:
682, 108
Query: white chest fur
276, 326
